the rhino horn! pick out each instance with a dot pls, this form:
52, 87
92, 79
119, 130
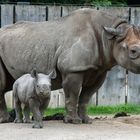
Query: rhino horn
53, 74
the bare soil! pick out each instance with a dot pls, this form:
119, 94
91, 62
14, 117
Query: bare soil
104, 128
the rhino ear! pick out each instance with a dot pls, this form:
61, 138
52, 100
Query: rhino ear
53, 74
112, 32
34, 73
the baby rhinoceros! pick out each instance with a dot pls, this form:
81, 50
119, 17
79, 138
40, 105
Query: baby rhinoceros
33, 90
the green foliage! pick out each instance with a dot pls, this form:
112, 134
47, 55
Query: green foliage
96, 3
105, 3
59, 1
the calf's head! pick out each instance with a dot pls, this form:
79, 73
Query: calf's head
42, 83
126, 46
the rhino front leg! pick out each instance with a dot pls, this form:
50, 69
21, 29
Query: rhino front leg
44, 105
72, 85
34, 106
26, 114
4, 116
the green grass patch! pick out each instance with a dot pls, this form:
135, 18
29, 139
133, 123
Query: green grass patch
100, 110
129, 108
51, 111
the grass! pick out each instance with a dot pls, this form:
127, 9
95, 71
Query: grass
51, 111
100, 110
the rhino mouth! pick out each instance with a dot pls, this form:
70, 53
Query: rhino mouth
43, 94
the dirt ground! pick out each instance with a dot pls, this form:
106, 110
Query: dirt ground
124, 128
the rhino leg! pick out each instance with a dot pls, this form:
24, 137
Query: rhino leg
72, 85
85, 96
4, 116
18, 110
27, 114
6, 82
44, 105
34, 106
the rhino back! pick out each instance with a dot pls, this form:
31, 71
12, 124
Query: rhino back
28, 44
24, 88
25, 45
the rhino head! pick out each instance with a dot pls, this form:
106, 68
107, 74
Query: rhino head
126, 46
42, 83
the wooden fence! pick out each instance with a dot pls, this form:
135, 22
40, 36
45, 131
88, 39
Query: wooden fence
119, 87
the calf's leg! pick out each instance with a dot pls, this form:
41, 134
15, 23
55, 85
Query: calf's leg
27, 114
18, 110
34, 106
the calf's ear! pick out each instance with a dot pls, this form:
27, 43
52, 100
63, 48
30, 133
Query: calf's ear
112, 32
34, 73
53, 74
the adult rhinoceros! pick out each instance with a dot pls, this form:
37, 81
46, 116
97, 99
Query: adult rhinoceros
84, 45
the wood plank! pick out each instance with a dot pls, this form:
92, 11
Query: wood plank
122, 12
134, 79
61, 98
68, 9
133, 88
54, 12
9, 99
112, 91
30, 13
54, 99
6, 14
135, 16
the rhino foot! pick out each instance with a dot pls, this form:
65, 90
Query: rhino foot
18, 120
37, 125
74, 120
87, 120
27, 121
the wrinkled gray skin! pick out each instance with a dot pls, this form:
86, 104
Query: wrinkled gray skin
33, 90
82, 46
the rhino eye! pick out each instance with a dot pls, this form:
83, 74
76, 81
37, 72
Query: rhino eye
133, 53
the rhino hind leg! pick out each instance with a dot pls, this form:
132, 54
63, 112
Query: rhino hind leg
72, 84
85, 96
4, 115
6, 82
18, 109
